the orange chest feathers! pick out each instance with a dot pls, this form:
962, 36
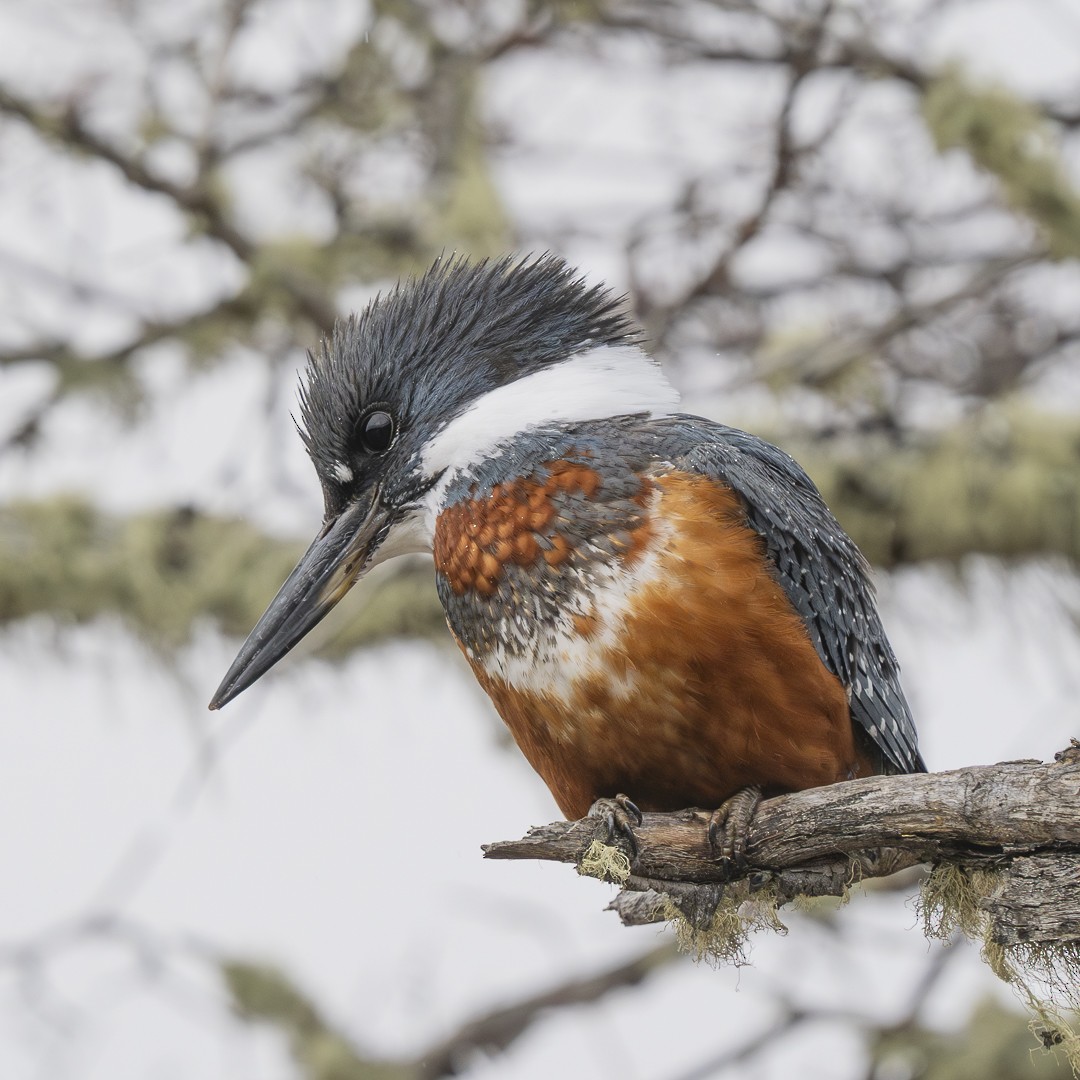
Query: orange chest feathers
637, 642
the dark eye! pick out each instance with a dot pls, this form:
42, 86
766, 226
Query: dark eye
376, 432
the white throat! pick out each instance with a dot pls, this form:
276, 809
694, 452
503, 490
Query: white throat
606, 381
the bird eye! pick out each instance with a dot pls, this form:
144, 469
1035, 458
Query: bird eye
376, 431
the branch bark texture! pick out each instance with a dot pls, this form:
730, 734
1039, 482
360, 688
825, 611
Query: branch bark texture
1021, 818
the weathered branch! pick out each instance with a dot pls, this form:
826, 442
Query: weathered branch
1020, 818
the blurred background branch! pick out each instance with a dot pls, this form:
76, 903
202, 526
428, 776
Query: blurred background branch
837, 225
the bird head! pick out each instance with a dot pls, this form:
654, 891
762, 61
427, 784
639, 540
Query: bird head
429, 380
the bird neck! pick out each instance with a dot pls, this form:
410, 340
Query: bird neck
597, 384
514, 427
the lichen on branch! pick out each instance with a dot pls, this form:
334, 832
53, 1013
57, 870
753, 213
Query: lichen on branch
1004, 841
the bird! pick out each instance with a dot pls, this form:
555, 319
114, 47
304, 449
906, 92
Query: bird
662, 608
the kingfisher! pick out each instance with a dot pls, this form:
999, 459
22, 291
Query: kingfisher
662, 609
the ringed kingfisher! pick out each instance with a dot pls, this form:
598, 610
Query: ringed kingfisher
662, 609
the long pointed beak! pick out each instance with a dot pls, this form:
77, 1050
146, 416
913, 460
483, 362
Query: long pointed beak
329, 568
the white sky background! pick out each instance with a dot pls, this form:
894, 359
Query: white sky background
279, 847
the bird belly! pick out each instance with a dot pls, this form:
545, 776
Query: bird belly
677, 676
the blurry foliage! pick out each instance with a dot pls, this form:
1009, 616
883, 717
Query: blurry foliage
1005, 482
1011, 139
410, 89
162, 570
996, 1044
399, 86
958, 316
262, 993
165, 570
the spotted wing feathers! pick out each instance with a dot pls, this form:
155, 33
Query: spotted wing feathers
824, 576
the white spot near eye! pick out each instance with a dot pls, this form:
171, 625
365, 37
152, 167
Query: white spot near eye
342, 472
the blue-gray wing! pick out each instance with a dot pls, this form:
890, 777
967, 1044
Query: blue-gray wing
824, 576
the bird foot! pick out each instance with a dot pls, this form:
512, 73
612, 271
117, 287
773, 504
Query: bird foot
729, 827
620, 816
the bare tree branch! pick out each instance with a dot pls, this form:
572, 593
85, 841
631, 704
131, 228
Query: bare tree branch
495, 1031
267, 995
196, 200
1020, 818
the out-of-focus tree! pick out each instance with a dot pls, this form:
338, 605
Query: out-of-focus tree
853, 289
883, 253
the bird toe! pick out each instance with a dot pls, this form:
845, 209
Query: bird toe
619, 815
729, 826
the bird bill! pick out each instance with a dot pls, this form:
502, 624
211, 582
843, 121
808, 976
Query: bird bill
338, 556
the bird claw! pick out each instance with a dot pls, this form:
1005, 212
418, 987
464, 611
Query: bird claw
619, 815
729, 827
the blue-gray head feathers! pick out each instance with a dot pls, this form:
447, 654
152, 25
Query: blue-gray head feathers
432, 346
